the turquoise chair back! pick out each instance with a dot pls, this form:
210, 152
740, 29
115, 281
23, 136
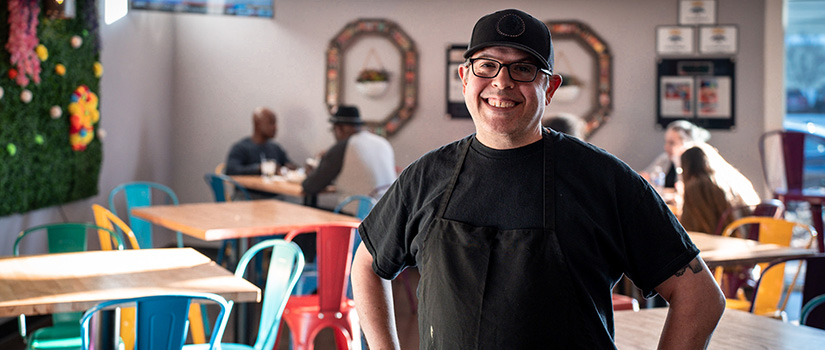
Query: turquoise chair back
809, 307
285, 265
61, 238
139, 194
365, 204
217, 182
162, 320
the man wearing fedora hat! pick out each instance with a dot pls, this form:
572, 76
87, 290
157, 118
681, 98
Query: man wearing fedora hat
359, 162
520, 232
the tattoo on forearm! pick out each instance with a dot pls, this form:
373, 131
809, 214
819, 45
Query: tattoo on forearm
694, 266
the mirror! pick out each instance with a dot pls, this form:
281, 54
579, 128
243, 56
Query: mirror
584, 61
385, 95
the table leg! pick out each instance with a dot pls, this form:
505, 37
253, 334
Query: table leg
311, 200
814, 283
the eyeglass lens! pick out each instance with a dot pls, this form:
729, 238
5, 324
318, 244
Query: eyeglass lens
519, 71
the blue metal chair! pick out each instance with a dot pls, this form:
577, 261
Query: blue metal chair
64, 334
139, 194
285, 266
162, 320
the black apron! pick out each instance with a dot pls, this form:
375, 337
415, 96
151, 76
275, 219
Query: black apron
485, 288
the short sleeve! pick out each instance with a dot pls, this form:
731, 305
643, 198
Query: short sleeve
656, 245
384, 234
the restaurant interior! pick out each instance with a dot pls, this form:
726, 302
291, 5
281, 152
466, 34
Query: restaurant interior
176, 90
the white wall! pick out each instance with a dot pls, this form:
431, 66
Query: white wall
225, 66
179, 89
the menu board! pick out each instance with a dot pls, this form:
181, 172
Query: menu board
252, 8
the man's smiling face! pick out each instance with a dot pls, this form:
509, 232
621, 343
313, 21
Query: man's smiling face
502, 107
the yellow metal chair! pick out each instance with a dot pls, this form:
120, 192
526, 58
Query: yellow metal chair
106, 219
769, 295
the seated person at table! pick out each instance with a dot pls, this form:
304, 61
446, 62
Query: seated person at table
712, 186
679, 136
360, 162
246, 155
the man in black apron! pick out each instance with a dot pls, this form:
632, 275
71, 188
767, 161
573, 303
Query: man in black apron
520, 232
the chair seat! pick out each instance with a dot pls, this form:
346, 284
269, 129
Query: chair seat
737, 304
60, 336
304, 318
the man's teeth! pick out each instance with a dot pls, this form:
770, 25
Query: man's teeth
501, 104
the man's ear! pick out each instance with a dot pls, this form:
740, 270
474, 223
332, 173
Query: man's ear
462, 73
555, 82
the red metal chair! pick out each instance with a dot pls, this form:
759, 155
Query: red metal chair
624, 302
792, 162
306, 315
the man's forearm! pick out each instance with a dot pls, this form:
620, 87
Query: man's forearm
373, 299
696, 305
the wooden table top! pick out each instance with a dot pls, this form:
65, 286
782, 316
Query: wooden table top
736, 330
278, 185
727, 251
217, 221
46, 284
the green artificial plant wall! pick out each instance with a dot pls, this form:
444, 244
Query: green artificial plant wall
38, 165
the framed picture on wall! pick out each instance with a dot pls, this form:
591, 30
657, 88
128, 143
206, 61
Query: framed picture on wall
693, 12
455, 98
247, 8
718, 39
674, 40
701, 90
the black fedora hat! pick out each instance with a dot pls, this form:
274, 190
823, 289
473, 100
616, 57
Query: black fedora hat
346, 115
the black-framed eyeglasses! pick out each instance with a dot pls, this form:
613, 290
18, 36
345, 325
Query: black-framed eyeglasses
522, 72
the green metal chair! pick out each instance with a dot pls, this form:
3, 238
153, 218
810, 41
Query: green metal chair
140, 194
64, 334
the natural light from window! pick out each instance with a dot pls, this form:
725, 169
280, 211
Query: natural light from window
115, 10
804, 68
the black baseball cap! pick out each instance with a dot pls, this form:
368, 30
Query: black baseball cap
516, 29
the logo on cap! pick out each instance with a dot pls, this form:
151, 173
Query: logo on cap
510, 25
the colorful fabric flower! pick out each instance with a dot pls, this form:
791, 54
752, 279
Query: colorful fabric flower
83, 114
23, 40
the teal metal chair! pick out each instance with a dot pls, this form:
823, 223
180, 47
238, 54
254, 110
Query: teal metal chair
140, 194
809, 307
285, 265
64, 334
162, 320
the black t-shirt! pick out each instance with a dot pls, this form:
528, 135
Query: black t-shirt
509, 176
608, 219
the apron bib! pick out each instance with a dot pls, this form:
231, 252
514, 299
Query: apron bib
485, 288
